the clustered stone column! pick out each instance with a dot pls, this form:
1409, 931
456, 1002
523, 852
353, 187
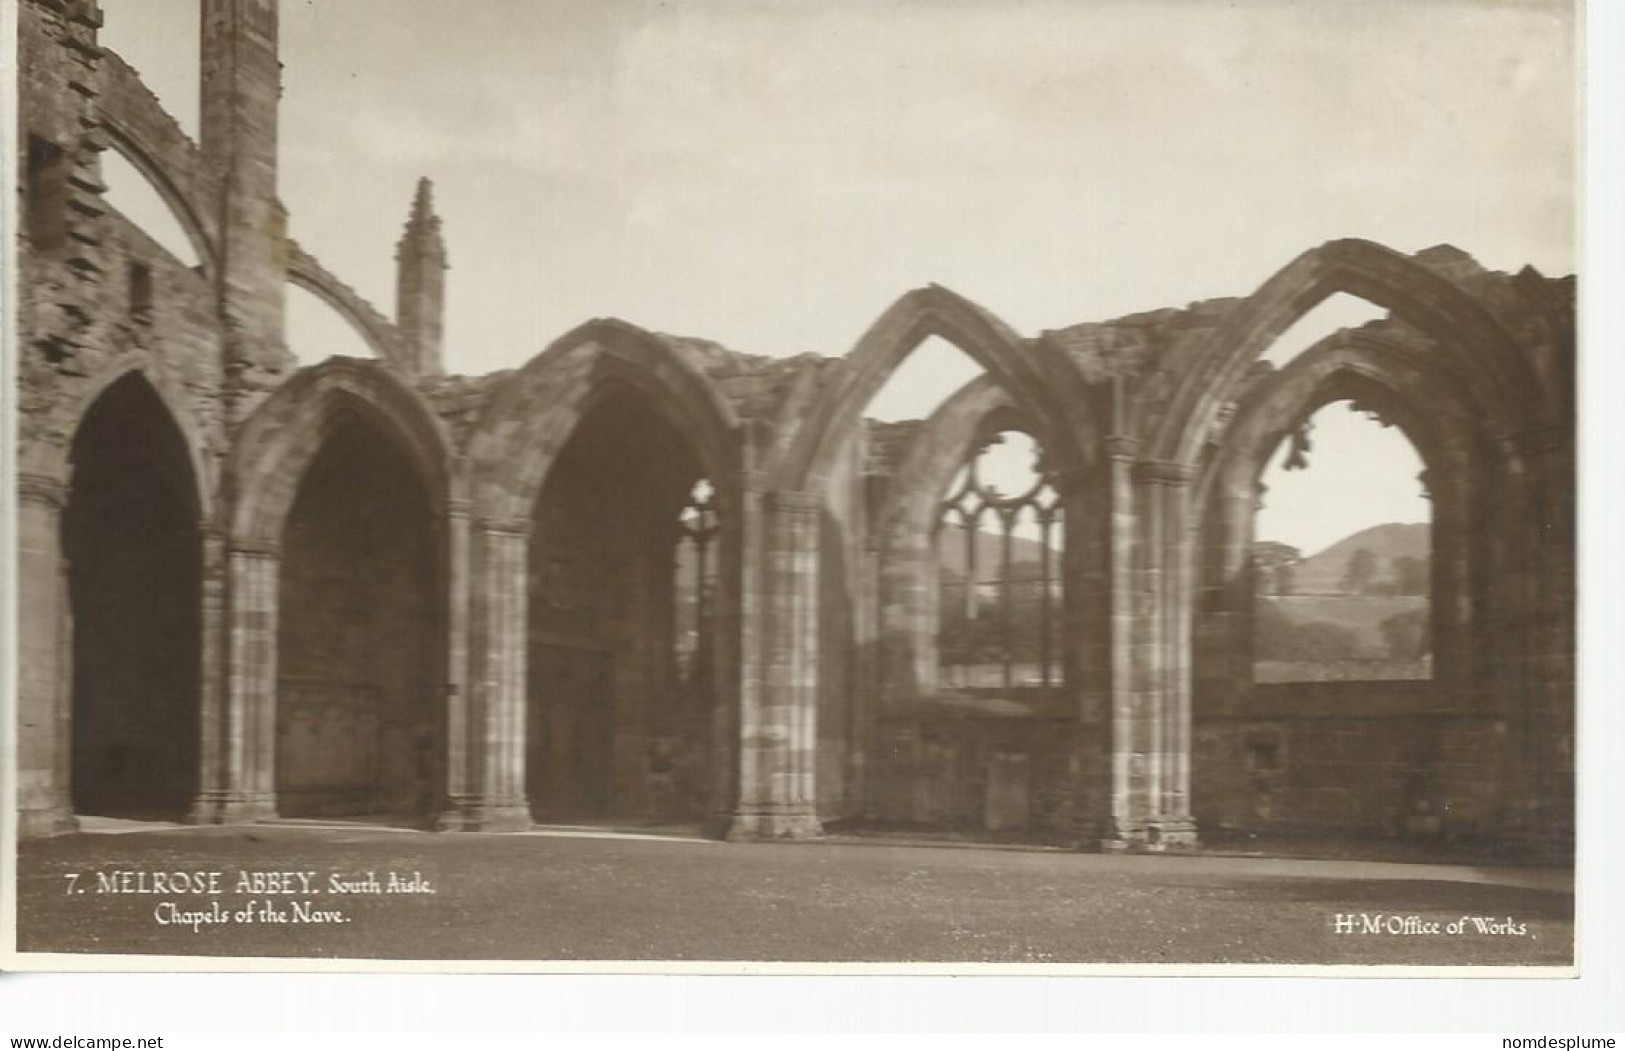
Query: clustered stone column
459, 783
779, 710
1165, 495
239, 746
1538, 579
1151, 747
214, 780
488, 789
45, 655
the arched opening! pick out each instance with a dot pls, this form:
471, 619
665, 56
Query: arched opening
855, 482
622, 679
360, 718
138, 200
1342, 554
316, 330
931, 373
977, 723
1336, 620
130, 534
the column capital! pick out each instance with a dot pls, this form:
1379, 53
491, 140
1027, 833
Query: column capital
42, 489
457, 508
793, 501
1164, 472
519, 527
255, 547
1121, 446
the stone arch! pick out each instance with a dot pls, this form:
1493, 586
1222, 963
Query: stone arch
307, 273
1428, 715
266, 463
906, 530
180, 202
1052, 394
523, 442
51, 459
532, 413
1410, 392
926, 724
1414, 393
932, 462
1463, 328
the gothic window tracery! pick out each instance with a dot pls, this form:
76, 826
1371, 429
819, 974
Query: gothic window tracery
999, 538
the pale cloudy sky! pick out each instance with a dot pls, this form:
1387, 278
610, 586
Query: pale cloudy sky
773, 173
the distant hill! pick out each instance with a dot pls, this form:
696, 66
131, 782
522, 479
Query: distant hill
989, 550
1325, 571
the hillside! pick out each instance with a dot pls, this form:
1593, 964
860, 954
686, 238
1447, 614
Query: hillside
1325, 571
989, 547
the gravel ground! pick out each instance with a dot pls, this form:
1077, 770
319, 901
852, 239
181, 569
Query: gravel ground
553, 897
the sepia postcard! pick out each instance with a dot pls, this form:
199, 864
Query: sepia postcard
1011, 486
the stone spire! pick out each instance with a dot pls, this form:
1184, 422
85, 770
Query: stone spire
420, 287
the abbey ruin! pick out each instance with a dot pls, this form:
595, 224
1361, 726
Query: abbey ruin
645, 576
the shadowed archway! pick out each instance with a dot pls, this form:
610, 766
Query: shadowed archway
131, 536
359, 720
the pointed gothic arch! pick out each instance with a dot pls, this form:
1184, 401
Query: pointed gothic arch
532, 413
1462, 327
131, 534
1034, 380
279, 441
1383, 745
51, 459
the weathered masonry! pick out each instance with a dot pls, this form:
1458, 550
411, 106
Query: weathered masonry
646, 576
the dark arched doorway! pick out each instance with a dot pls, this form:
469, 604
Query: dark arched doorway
621, 674
130, 533
360, 726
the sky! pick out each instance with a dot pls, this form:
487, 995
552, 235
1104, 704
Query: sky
772, 174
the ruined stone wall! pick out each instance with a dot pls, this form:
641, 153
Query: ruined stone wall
1004, 774
80, 320
843, 589
1385, 759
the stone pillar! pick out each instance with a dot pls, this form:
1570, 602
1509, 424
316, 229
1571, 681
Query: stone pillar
1228, 638
459, 785
1128, 811
1089, 614
213, 686
779, 707
239, 743
241, 88
488, 790
1167, 502
894, 646
1151, 750
44, 662
1540, 469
